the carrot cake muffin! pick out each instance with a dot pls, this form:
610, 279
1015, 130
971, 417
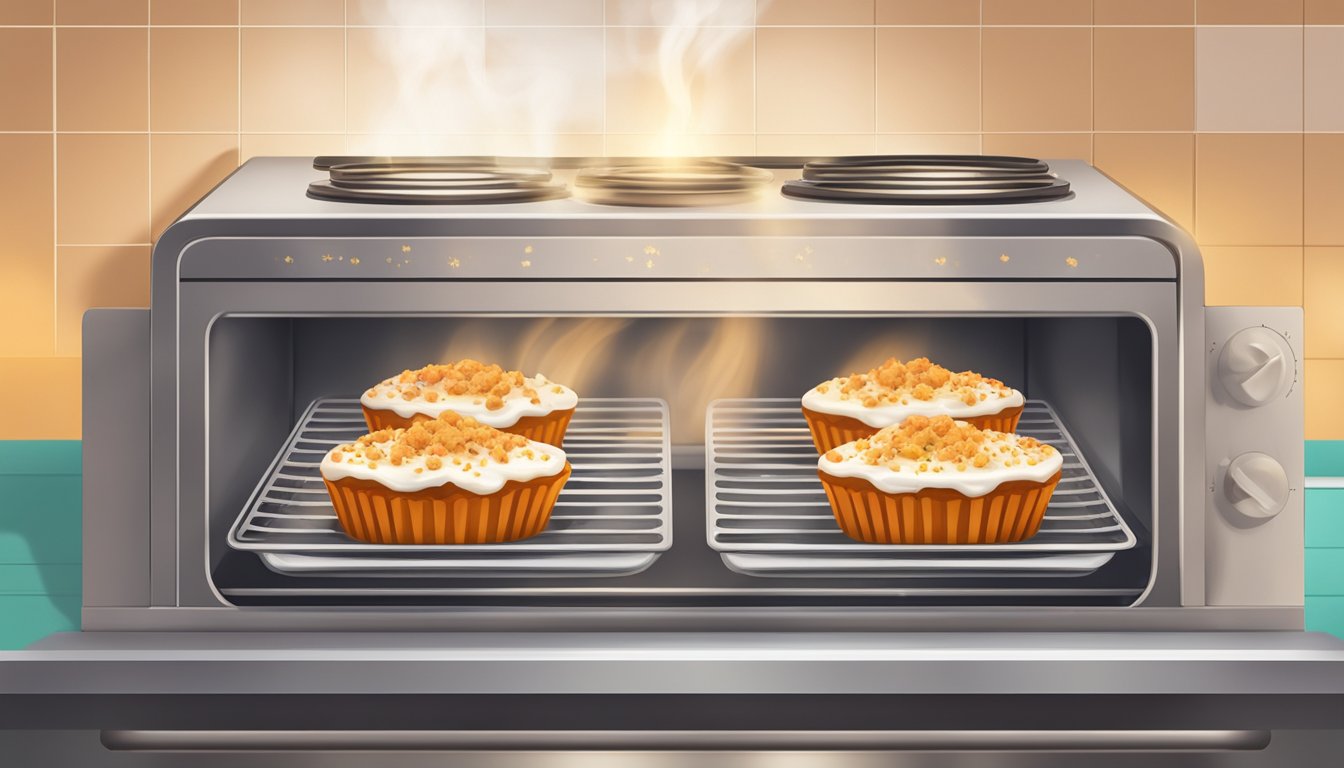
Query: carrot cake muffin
446, 480
531, 406
940, 481
850, 407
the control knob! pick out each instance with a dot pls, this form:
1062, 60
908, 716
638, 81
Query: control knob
1256, 366
1256, 485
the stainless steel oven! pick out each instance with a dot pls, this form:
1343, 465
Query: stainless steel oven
691, 591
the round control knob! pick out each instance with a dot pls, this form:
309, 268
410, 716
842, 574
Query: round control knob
1256, 485
1256, 366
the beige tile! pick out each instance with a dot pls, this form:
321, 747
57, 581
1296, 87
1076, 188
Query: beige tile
183, 168
26, 210
712, 94
927, 144
290, 145
1248, 189
1323, 189
815, 145
1325, 408
26, 12
25, 79
292, 12
1143, 11
96, 276
1249, 79
1251, 276
415, 13
1144, 79
503, 144
102, 189
642, 13
1324, 284
1249, 11
537, 92
828, 90
193, 12
965, 12
1036, 12
1046, 146
1324, 11
543, 145
811, 13
293, 80
60, 377
1158, 167
193, 79
1037, 79
658, 145
438, 95
928, 79
102, 81
98, 12
527, 13
1324, 71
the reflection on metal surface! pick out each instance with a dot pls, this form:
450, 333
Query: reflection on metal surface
621, 740
671, 183
929, 180
442, 181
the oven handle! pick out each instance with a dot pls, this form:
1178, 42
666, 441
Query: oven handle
687, 741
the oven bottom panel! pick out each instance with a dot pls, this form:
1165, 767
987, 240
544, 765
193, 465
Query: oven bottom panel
86, 748
726, 684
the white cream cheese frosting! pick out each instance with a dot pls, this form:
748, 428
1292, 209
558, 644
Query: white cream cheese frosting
913, 456
447, 450
893, 391
488, 393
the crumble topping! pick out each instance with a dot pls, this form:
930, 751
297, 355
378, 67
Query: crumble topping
895, 382
490, 384
928, 444
451, 440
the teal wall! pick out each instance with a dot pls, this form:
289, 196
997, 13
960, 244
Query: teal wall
1325, 539
40, 539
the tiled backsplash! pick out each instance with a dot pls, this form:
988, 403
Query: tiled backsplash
117, 114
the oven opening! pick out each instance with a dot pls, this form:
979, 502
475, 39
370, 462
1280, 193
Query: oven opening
694, 478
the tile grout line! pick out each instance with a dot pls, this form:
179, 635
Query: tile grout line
238, 87
345, 73
149, 127
1194, 141
606, 78
55, 180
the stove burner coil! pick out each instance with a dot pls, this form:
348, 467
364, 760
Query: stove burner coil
671, 183
928, 180
441, 182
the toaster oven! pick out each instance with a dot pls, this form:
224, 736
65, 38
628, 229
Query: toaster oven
692, 556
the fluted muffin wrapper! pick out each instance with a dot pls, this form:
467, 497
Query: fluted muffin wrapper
446, 514
548, 428
830, 431
1013, 511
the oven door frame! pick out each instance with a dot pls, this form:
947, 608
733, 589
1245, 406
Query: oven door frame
180, 573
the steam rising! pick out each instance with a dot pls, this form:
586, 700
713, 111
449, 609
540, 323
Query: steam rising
455, 86
689, 362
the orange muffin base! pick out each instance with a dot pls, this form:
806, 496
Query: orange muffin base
1011, 512
372, 512
830, 431
548, 429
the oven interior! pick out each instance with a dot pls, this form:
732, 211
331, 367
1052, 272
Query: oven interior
656, 521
